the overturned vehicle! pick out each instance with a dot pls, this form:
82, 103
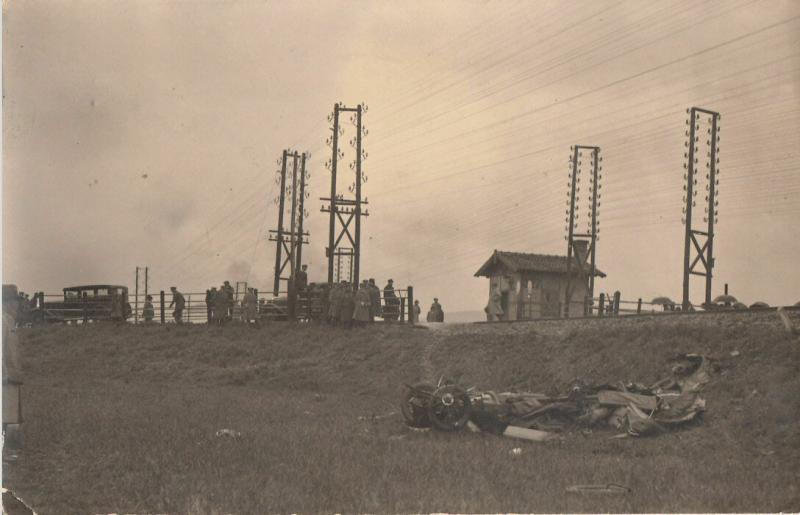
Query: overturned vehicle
633, 408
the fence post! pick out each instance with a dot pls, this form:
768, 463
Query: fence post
639, 307
402, 309
161, 298
601, 307
411, 313
586, 307
189, 309
616, 302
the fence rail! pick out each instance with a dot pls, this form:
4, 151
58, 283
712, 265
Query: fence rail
312, 304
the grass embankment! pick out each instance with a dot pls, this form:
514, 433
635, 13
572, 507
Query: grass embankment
124, 419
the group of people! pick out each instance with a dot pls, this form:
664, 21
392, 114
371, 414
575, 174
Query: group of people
347, 306
339, 304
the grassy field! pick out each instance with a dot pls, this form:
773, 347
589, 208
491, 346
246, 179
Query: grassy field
124, 419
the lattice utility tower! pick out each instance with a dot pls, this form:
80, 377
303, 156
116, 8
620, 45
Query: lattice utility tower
344, 264
345, 211
695, 145
582, 245
289, 241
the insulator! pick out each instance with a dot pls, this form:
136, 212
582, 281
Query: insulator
716, 212
683, 209
341, 131
693, 203
683, 220
684, 187
365, 131
571, 148
716, 203
705, 219
598, 204
566, 212
685, 155
685, 143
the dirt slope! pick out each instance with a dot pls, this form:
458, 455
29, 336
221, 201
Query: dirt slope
134, 410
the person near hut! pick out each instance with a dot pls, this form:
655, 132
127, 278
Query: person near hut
148, 312
210, 298
416, 312
12, 376
391, 309
361, 314
179, 302
494, 309
435, 314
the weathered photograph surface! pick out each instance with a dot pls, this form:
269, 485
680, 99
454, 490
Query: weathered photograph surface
467, 256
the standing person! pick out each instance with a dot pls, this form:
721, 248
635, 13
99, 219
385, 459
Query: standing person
301, 278
347, 305
437, 309
148, 312
221, 306
375, 301
334, 303
391, 309
249, 307
362, 305
229, 294
12, 376
210, 294
416, 311
494, 309
179, 302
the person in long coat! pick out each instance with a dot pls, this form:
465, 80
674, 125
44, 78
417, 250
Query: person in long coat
249, 307
348, 304
148, 312
415, 312
494, 309
361, 314
221, 307
375, 301
334, 303
391, 311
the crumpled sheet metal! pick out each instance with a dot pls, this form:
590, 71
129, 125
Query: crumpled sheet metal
634, 408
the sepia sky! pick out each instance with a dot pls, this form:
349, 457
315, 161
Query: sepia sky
147, 132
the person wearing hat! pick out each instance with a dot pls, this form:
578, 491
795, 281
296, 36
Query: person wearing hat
391, 310
12, 375
179, 302
147, 311
347, 305
301, 278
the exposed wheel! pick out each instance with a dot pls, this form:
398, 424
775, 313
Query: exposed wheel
449, 408
414, 404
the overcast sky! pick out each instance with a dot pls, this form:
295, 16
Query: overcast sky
147, 132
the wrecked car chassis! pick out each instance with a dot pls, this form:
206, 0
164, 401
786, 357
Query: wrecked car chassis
450, 407
633, 408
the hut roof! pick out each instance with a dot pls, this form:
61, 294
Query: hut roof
527, 262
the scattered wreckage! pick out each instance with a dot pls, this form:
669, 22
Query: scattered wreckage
637, 409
